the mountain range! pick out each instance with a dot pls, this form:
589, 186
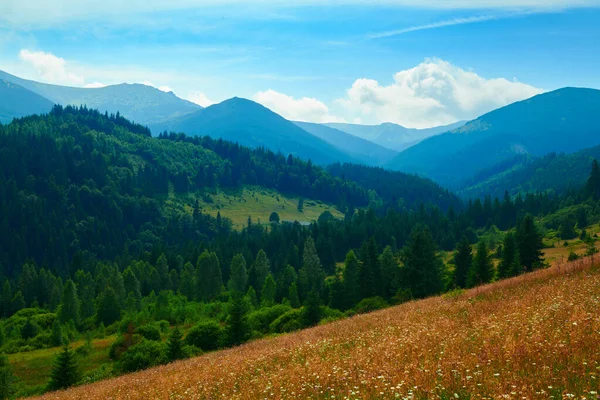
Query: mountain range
561, 121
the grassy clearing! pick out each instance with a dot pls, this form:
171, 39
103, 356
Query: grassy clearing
255, 202
535, 336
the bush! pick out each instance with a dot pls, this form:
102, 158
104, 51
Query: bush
145, 354
288, 322
572, 256
261, 319
206, 335
370, 304
149, 332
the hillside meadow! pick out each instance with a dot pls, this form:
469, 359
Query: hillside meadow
534, 336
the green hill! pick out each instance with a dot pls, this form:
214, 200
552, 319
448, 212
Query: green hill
560, 121
16, 101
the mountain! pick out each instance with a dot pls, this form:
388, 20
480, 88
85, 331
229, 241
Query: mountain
393, 136
363, 150
526, 174
564, 120
253, 125
16, 101
143, 104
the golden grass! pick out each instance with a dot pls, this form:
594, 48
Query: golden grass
536, 336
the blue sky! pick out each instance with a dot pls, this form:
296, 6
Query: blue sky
416, 63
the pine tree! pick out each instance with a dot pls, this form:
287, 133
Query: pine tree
69, 308
567, 229
311, 313
187, 287
208, 276
370, 270
509, 263
109, 309
259, 271
238, 276
482, 269
351, 280
6, 378
175, 345
463, 260
293, 295
389, 273
65, 372
529, 243
251, 297
311, 273
267, 296
237, 326
592, 187
422, 267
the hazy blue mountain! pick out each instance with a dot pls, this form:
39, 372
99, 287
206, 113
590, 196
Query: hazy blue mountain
563, 120
363, 150
16, 101
250, 124
140, 103
393, 136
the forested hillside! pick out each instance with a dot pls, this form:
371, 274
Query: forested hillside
91, 249
16, 101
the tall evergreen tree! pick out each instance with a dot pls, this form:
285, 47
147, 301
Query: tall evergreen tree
175, 345
293, 295
482, 269
267, 296
69, 308
132, 288
351, 280
422, 266
65, 372
259, 271
389, 273
238, 276
463, 260
529, 242
237, 325
592, 186
187, 287
370, 270
509, 263
162, 267
311, 273
208, 276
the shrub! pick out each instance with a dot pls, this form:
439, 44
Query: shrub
145, 354
149, 332
206, 335
288, 322
370, 304
261, 319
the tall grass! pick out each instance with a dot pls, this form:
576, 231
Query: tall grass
536, 336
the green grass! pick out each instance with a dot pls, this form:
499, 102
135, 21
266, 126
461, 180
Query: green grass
32, 369
255, 202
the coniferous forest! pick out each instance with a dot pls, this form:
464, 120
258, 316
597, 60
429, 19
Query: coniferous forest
90, 248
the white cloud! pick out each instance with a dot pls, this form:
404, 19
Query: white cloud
304, 109
200, 99
434, 92
94, 85
50, 68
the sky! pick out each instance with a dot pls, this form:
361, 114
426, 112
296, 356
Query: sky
416, 63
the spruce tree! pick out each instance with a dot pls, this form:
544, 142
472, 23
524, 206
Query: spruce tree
65, 372
389, 273
259, 271
351, 280
237, 325
175, 345
267, 296
463, 260
69, 308
238, 275
482, 269
251, 297
208, 276
529, 243
293, 295
311, 273
370, 270
592, 186
422, 266
509, 263
311, 313
187, 287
